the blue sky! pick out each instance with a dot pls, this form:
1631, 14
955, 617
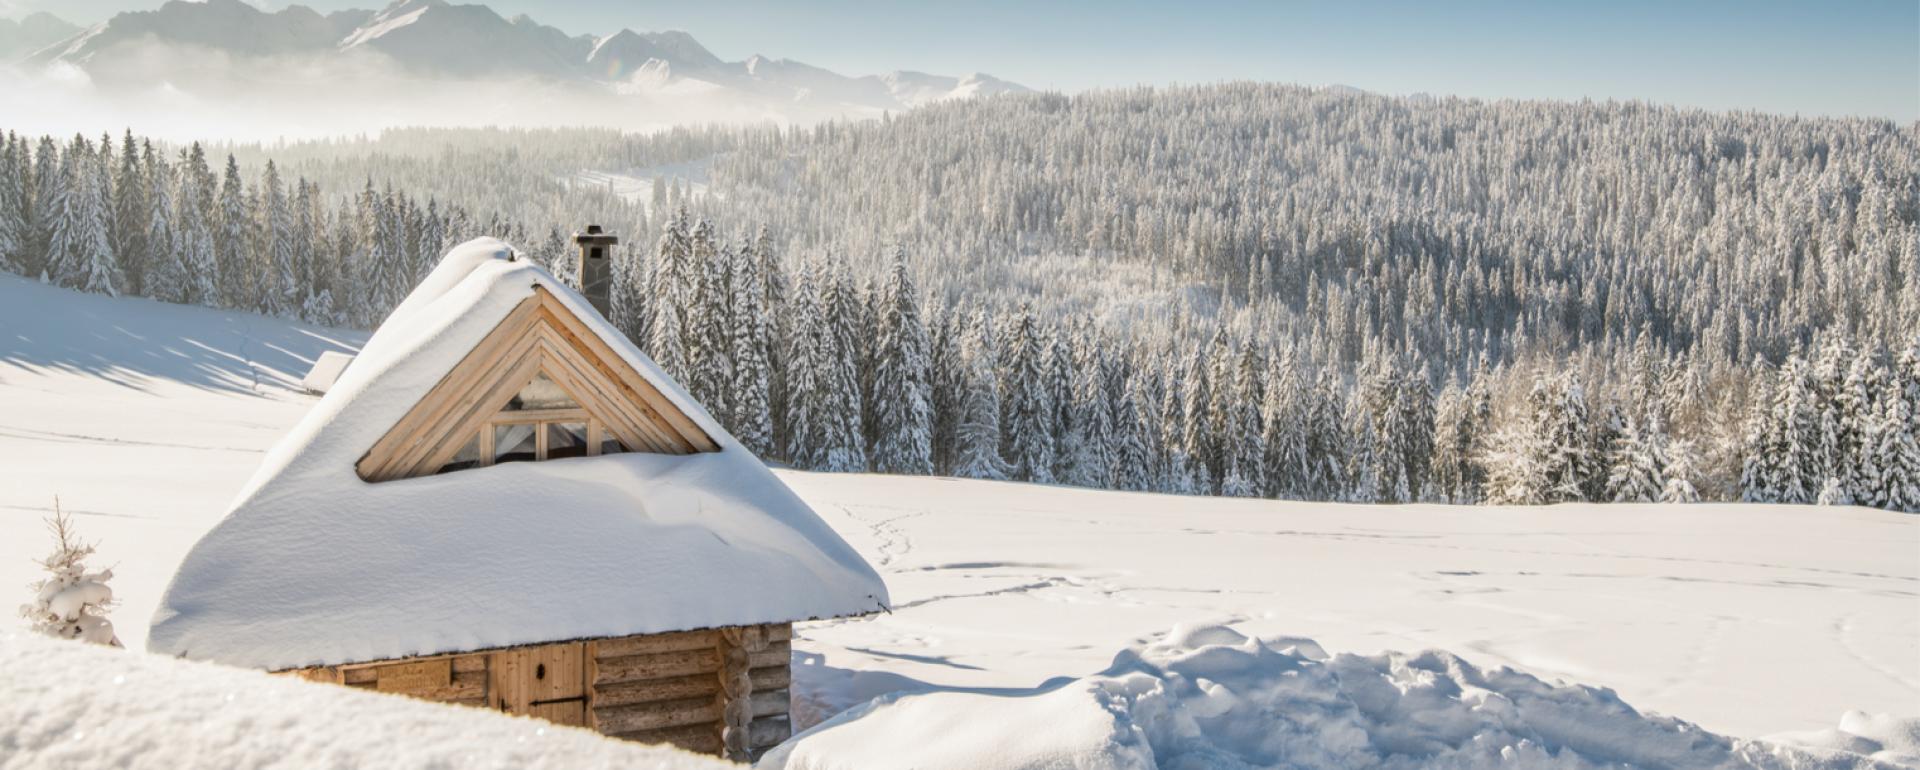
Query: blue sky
1810, 58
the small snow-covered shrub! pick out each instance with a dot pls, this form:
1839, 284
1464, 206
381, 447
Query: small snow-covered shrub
71, 603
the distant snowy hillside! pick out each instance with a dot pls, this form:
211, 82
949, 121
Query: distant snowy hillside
69, 705
182, 44
1749, 620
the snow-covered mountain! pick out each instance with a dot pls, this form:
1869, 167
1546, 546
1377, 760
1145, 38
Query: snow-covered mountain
29, 34
435, 39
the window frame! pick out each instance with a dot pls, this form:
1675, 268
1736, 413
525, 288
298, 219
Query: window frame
596, 436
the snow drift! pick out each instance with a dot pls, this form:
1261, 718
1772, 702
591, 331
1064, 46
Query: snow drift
72, 705
1210, 697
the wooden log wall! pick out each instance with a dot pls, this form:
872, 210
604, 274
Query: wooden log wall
668, 688
714, 691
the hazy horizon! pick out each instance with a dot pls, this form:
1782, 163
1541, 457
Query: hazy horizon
1787, 58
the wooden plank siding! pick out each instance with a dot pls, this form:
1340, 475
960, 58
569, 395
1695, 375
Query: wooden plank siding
651, 688
539, 335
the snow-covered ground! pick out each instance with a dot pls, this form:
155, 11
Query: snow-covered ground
69, 705
636, 185
145, 419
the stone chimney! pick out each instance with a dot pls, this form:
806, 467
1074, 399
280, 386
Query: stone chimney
596, 267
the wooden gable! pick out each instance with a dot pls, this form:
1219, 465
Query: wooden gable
541, 336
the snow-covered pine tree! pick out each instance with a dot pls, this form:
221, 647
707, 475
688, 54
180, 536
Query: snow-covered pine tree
1090, 449
806, 340
670, 290
948, 386
1283, 437
556, 256
628, 295
1243, 435
1460, 426
78, 254
752, 418
43, 206
1639, 464
60, 206
1133, 461
232, 232
844, 442
668, 344
1197, 436
1858, 407
1328, 442
278, 282
1028, 429
865, 317
71, 602
903, 422
13, 203
130, 211
1683, 464
976, 433
303, 235
1796, 434
1570, 462
709, 342
773, 301
101, 273
167, 279
1895, 435
430, 242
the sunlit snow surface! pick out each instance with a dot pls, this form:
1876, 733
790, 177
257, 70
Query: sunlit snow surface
146, 418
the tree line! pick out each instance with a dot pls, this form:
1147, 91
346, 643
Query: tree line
826, 363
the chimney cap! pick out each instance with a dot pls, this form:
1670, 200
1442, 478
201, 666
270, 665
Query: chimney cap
594, 236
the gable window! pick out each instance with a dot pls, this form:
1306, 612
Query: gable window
541, 422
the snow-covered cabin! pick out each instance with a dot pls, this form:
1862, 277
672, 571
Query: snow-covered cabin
503, 503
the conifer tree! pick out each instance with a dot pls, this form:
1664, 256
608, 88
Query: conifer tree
903, 422
13, 204
167, 279
131, 209
976, 432
752, 421
278, 289
807, 341
844, 440
71, 602
1029, 403
1091, 449
709, 342
44, 206
232, 231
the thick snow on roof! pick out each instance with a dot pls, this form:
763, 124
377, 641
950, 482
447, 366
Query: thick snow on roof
84, 707
313, 566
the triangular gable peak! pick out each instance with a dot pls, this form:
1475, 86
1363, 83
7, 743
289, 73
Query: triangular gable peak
541, 378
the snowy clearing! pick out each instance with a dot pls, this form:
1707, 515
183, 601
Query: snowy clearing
147, 418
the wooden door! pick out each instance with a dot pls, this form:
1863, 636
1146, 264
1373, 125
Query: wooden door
547, 682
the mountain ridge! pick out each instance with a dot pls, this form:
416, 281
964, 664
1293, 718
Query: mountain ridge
459, 41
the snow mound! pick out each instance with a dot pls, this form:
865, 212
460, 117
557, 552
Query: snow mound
1210, 697
72, 705
1881, 736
